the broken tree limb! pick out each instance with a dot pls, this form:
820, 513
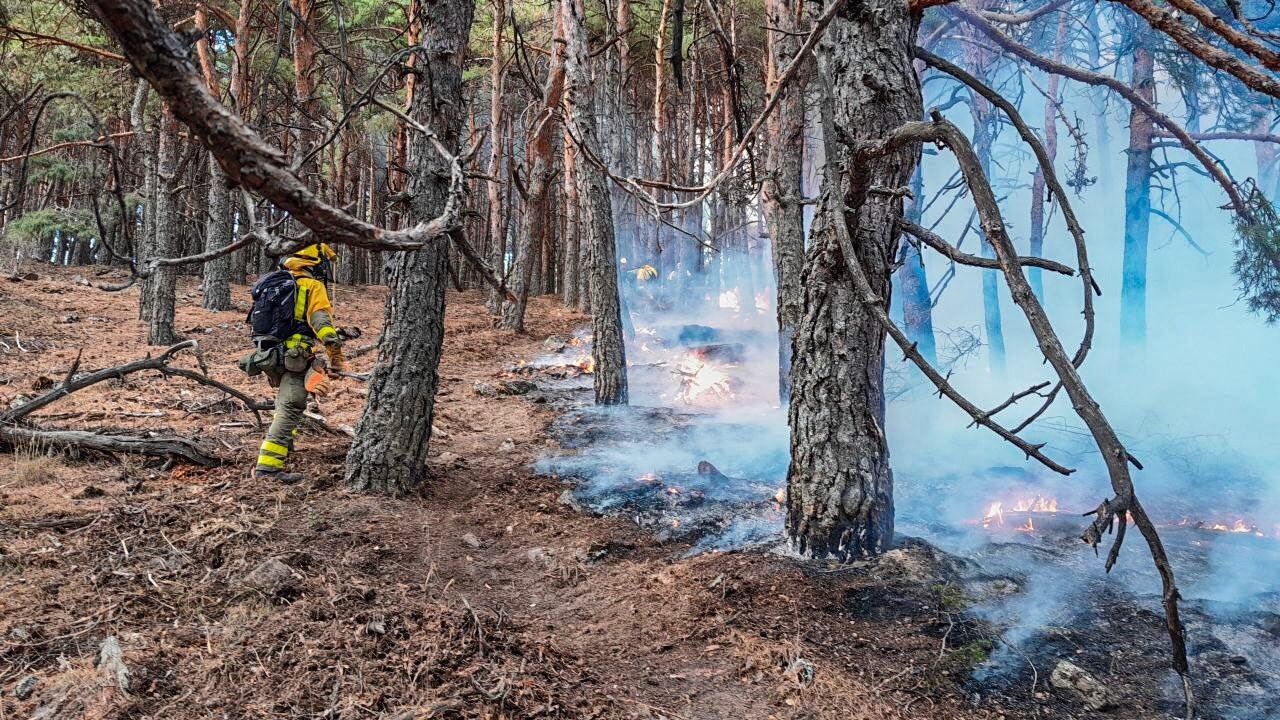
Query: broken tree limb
961, 257
160, 55
1112, 450
1091, 78
174, 447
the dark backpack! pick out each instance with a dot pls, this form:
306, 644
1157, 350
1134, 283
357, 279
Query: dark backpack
274, 297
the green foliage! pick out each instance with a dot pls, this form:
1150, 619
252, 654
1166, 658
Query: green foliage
1257, 261
29, 229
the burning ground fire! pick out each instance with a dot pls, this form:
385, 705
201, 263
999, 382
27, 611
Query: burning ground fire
994, 518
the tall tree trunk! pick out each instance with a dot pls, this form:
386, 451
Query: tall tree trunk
1036, 245
497, 228
1137, 201
216, 285
389, 453
542, 145
573, 225
783, 195
168, 221
608, 350
839, 484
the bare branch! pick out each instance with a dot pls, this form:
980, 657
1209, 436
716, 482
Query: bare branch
963, 258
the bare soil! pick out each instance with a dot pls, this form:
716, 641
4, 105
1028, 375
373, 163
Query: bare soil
483, 597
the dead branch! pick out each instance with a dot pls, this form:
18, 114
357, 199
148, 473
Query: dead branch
160, 56
1113, 452
1213, 56
174, 447
963, 258
1091, 78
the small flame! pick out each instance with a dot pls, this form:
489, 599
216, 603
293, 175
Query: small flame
731, 300
994, 516
1028, 527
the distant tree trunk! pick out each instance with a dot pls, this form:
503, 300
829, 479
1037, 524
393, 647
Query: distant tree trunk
783, 194
168, 221
839, 484
1137, 201
1266, 155
216, 285
573, 226
608, 350
389, 453
917, 305
1036, 248
541, 166
1102, 130
980, 59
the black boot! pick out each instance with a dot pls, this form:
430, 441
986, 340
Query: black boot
280, 476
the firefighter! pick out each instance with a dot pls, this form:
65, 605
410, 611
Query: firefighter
288, 357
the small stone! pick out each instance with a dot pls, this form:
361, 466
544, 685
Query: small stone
80, 280
72, 318
26, 686
450, 458
1071, 677
484, 389
471, 540
376, 627
270, 576
516, 387
554, 343
507, 446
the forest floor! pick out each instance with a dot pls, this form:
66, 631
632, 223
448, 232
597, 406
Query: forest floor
209, 594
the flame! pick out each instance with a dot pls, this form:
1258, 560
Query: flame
587, 364
702, 381
1029, 526
1039, 504
731, 299
994, 516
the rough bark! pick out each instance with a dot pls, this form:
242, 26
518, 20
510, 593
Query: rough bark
608, 350
1137, 202
497, 228
389, 453
541, 169
839, 484
783, 194
163, 283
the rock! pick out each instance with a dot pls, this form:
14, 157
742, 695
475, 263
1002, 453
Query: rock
554, 343
516, 387
72, 318
471, 540
450, 458
540, 556
1072, 678
801, 672
25, 687
484, 389
81, 280
111, 662
568, 499
376, 627
507, 446
271, 576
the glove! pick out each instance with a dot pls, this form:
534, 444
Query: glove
317, 382
337, 362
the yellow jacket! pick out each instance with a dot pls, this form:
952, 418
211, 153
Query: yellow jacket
312, 305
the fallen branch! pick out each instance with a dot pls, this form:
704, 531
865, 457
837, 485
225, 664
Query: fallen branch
173, 447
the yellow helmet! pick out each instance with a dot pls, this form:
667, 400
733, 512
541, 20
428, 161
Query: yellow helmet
315, 258
645, 273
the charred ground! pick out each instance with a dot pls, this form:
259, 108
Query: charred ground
484, 597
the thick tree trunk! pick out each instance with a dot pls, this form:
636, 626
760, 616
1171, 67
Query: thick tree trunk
164, 281
839, 485
217, 272
783, 193
389, 453
608, 350
1137, 203
573, 225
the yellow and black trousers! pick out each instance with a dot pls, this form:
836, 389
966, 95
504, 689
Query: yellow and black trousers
291, 403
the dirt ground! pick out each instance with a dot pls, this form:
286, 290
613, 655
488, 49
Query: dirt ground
131, 588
